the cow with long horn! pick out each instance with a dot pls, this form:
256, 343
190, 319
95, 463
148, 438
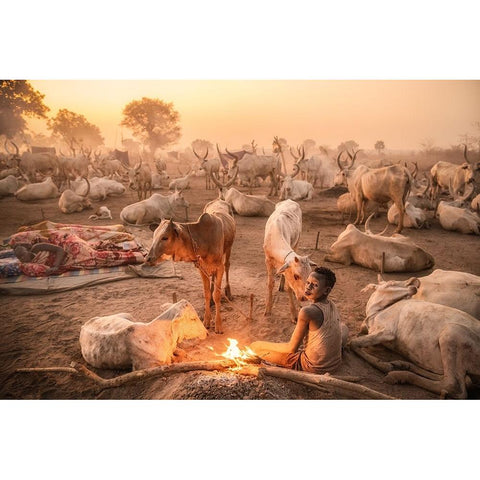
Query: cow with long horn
380, 185
241, 203
71, 202
140, 179
211, 166
252, 166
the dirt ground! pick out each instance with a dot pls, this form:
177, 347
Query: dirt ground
43, 330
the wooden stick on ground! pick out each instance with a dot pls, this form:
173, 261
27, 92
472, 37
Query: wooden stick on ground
324, 383
250, 315
349, 389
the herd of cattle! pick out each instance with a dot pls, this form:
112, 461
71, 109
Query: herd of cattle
432, 321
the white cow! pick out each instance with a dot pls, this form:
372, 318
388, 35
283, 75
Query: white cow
8, 186
296, 189
100, 188
118, 342
457, 219
454, 289
367, 249
347, 206
282, 234
71, 202
414, 217
153, 209
38, 191
181, 183
441, 342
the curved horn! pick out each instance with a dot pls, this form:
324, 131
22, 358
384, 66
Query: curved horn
367, 226
353, 158
6, 147
17, 153
464, 152
88, 187
198, 156
415, 170
232, 154
296, 170
338, 160
220, 185
467, 193
221, 156
302, 155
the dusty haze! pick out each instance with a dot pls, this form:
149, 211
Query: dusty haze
402, 113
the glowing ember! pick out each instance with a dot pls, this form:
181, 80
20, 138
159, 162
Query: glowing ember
236, 354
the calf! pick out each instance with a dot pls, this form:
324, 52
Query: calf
153, 209
392, 254
282, 234
442, 342
207, 243
117, 341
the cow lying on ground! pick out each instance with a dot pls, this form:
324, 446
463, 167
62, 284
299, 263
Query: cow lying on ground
347, 206
8, 186
71, 202
282, 234
37, 191
366, 249
100, 188
442, 342
153, 209
457, 219
118, 342
206, 242
241, 203
414, 217
296, 189
454, 289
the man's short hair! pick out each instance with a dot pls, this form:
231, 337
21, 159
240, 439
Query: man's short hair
330, 277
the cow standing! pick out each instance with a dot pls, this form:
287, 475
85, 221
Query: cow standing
207, 243
282, 234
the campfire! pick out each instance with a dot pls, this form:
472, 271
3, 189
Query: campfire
236, 354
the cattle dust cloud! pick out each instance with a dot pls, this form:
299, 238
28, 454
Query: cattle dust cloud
402, 113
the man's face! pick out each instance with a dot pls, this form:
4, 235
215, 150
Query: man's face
315, 287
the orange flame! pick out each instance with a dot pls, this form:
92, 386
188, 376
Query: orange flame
236, 354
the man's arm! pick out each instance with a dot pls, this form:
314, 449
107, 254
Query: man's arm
301, 328
59, 252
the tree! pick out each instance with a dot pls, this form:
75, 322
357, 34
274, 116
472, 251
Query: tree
75, 129
153, 121
350, 145
200, 146
17, 99
379, 146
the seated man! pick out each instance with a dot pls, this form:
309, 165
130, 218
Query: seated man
320, 323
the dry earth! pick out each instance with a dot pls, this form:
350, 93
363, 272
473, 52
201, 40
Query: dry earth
43, 330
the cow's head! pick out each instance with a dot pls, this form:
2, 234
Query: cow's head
344, 170
296, 270
386, 293
287, 186
165, 236
178, 200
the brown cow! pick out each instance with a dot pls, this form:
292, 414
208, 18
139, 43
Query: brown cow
206, 242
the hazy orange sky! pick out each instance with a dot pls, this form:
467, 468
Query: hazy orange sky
402, 113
